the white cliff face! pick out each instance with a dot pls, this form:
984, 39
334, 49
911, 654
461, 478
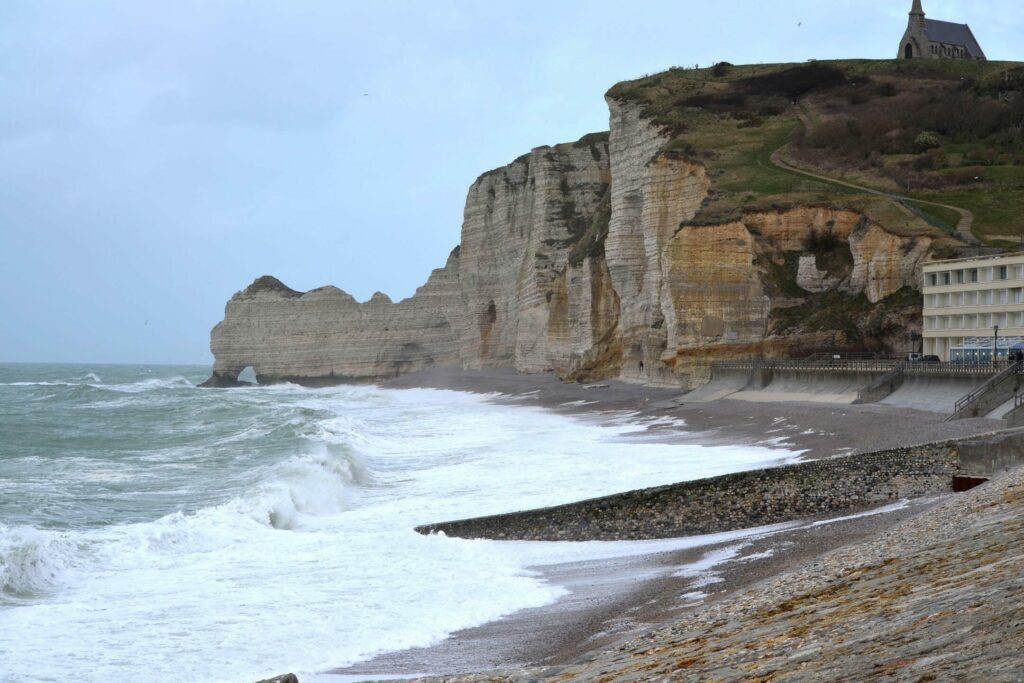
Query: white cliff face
508, 297
583, 259
521, 222
325, 335
809, 278
653, 192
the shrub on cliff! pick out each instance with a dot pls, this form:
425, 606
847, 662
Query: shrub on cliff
795, 82
927, 140
721, 70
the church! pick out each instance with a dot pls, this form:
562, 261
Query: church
933, 39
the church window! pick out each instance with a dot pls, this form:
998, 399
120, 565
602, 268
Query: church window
909, 52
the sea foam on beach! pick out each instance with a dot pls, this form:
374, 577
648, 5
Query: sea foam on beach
150, 530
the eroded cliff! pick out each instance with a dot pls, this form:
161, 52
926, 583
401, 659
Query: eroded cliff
640, 254
325, 336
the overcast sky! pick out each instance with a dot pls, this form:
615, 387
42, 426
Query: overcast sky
155, 157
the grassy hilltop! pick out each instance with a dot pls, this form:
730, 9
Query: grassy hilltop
932, 131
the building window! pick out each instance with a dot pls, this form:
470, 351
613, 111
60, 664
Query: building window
932, 279
959, 277
974, 275
945, 278
1002, 273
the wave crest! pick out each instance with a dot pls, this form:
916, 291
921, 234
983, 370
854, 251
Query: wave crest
32, 562
151, 385
306, 486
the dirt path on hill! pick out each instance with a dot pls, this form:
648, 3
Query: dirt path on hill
963, 228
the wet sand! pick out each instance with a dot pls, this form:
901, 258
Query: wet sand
611, 601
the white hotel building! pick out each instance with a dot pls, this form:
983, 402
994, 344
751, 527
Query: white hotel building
966, 299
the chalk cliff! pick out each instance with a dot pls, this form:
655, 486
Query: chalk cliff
597, 259
325, 336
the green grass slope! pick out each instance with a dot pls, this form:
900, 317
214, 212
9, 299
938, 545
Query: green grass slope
949, 132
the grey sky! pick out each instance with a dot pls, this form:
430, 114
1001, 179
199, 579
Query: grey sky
155, 157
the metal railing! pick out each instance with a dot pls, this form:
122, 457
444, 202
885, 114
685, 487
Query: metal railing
879, 365
844, 355
1011, 370
807, 364
957, 368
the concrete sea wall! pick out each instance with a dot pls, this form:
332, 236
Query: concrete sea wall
755, 498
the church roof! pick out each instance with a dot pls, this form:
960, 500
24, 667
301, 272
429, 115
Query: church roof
953, 34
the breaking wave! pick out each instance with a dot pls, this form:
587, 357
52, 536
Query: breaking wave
33, 563
305, 486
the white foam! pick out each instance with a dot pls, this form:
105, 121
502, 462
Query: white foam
148, 385
869, 513
306, 559
33, 562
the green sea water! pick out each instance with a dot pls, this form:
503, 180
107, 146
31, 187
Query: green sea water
151, 530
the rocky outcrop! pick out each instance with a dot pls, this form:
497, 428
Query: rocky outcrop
588, 259
326, 336
713, 291
884, 263
809, 278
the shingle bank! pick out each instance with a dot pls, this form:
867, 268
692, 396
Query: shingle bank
756, 498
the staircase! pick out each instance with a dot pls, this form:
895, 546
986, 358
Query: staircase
1015, 416
883, 386
990, 395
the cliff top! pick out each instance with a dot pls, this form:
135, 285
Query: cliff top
589, 140
269, 283
948, 132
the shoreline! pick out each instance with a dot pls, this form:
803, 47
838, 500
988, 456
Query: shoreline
612, 601
817, 430
616, 600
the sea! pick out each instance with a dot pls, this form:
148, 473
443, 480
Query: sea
151, 530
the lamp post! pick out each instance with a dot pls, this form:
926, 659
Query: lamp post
995, 343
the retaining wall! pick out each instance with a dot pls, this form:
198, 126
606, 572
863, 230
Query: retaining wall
881, 388
992, 455
756, 498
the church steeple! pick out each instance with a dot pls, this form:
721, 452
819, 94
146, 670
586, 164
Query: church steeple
917, 12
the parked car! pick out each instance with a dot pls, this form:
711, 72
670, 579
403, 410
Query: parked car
930, 359
913, 357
